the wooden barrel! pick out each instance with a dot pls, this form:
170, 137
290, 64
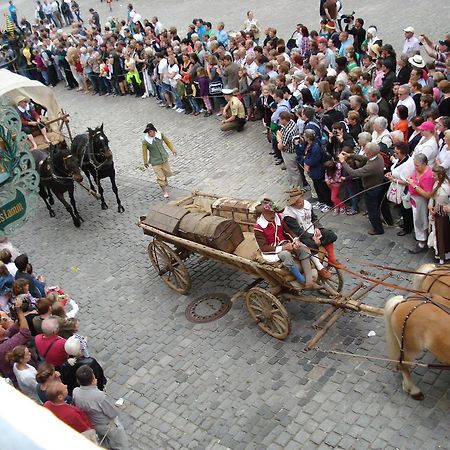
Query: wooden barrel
188, 224
213, 231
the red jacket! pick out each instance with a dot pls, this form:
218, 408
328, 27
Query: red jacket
270, 235
70, 415
55, 355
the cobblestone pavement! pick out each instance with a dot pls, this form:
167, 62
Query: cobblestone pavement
226, 384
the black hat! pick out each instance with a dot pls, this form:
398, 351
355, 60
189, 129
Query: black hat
149, 127
446, 43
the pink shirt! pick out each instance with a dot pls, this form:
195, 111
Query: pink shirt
425, 182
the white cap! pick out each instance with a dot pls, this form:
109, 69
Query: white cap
408, 30
227, 91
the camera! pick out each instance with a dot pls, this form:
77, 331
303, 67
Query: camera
25, 306
347, 18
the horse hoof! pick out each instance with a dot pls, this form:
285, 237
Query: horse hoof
52, 213
419, 396
120, 209
51, 201
77, 223
104, 206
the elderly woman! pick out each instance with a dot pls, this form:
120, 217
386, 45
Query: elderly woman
30, 120
428, 144
439, 218
73, 348
399, 158
420, 185
372, 113
381, 135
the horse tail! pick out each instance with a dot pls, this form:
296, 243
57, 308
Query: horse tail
419, 277
392, 340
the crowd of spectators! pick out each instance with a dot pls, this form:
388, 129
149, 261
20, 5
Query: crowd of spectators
44, 356
339, 105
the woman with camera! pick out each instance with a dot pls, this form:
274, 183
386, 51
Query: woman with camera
12, 333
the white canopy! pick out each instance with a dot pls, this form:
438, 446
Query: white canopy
12, 85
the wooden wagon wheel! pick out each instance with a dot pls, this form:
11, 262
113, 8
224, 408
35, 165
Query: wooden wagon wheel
169, 266
268, 312
336, 282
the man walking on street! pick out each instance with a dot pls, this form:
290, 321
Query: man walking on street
154, 154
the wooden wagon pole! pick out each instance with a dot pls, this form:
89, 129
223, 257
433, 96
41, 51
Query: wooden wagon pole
332, 309
321, 333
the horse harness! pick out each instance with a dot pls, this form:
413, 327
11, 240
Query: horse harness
425, 299
51, 168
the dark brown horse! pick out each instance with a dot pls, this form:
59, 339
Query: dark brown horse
58, 169
96, 160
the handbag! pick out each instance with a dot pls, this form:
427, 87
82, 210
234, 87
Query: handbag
394, 193
406, 201
215, 88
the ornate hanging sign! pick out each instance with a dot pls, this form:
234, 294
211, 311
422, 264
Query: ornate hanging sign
19, 181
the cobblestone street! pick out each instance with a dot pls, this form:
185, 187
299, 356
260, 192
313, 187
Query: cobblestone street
226, 384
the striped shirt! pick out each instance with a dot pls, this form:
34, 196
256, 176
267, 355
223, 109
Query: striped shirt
288, 133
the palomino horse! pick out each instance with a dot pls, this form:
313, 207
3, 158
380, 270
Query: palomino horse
420, 322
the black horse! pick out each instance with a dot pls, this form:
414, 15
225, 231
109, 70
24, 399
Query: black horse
93, 152
58, 169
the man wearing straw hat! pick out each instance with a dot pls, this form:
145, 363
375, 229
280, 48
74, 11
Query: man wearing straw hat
300, 218
277, 243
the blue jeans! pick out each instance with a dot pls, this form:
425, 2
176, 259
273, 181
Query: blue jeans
351, 191
194, 104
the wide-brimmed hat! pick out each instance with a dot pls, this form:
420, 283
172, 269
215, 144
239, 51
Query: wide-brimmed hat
294, 194
408, 30
149, 127
417, 61
20, 98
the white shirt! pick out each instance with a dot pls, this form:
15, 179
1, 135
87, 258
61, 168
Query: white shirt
302, 215
47, 9
410, 104
411, 46
26, 379
429, 148
163, 69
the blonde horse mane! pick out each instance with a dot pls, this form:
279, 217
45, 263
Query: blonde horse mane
419, 279
393, 342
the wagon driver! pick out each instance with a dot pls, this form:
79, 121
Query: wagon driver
154, 154
300, 218
278, 243
30, 120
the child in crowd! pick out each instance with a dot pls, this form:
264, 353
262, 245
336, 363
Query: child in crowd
354, 127
105, 78
191, 93
333, 172
203, 82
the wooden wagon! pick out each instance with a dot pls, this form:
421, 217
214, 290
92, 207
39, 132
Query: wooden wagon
167, 253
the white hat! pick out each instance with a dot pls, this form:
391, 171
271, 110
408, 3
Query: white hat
331, 72
372, 31
227, 91
417, 61
72, 346
408, 30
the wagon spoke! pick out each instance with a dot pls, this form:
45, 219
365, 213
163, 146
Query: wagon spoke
169, 266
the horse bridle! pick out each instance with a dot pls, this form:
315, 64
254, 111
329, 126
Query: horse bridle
91, 154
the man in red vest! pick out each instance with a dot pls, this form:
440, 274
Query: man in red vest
277, 242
